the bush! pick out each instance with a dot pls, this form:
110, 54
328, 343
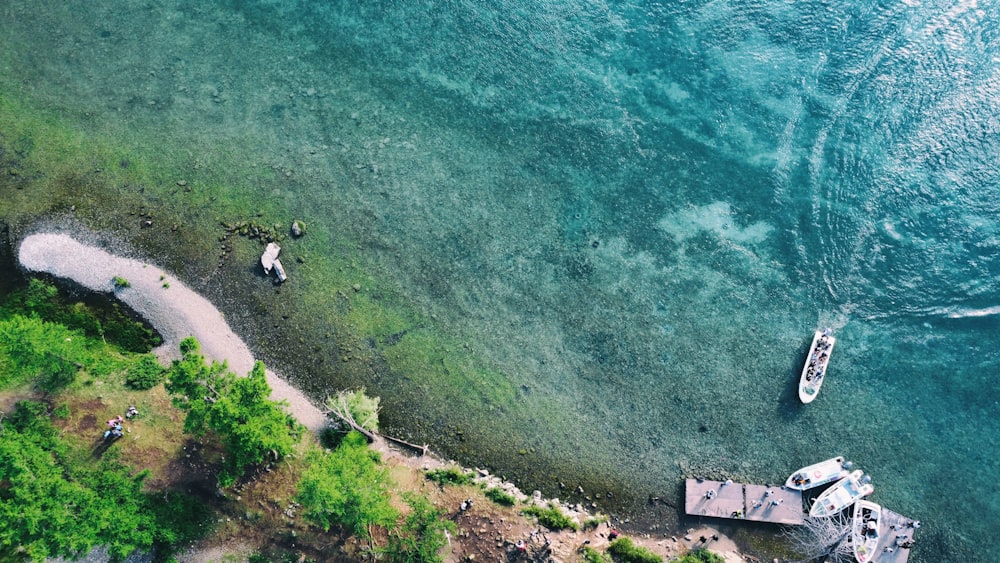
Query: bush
120, 282
347, 487
357, 407
552, 518
702, 555
624, 551
591, 555
146, 373
422, 534
449, 476
500, 496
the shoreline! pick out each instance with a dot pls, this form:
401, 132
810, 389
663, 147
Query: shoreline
176, 312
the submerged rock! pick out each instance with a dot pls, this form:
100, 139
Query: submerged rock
298, 228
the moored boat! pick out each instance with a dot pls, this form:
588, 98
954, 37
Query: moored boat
865, 530
814, 370
842, 494
818, 474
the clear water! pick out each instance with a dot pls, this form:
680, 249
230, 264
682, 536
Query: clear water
639, 211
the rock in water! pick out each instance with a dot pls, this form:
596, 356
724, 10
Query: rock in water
298, 228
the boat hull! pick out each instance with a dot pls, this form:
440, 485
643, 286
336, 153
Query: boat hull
841, 495
814, 370
865, 530
818, 474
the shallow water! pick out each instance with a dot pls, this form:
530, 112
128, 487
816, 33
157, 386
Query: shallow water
637, 212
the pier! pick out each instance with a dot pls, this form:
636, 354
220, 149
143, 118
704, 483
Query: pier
781, 505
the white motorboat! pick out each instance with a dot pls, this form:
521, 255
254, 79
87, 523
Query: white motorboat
865, 530
819, 474
814, 370
842, 494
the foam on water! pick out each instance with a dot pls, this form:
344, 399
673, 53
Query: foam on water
638, 211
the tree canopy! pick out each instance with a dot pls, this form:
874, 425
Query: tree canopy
251, 427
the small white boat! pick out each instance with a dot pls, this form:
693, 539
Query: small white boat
814, 370
842, 494
820, 473
865, 530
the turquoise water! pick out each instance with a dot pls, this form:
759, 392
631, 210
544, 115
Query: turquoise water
639, 212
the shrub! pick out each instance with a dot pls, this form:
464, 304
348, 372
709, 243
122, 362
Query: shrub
347, 487
500, 496
591, 555
146, 373
552, 518
449, 476
422, 534
120, 282
702, 555
624, 551
594, 522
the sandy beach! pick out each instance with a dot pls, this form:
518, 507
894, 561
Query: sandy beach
176, 312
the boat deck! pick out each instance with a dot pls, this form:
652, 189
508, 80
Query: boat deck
741, 501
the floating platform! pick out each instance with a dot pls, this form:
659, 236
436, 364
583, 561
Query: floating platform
739, 501
781, 505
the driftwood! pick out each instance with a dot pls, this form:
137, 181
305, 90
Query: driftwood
372, 436
354, 425
414, 447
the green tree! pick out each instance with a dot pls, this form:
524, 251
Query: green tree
251, 427
347, 487
52, 503
422, 535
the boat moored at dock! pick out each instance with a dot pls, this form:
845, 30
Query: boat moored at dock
819, 474
842, 494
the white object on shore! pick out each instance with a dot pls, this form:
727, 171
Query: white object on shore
814, 370
818, 474
270, 261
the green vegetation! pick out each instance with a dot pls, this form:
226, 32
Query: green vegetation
552, 518
54, 502
356, 407
500, 496
624, 551
100, 319
145, 373
422, 534
702, 555
594, 522
120, 282
347, 487
591, 555
252, 428
449, 476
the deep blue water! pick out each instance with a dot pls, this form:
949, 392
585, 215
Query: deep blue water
640, 210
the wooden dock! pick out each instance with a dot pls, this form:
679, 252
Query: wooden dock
780, 505
739, 501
